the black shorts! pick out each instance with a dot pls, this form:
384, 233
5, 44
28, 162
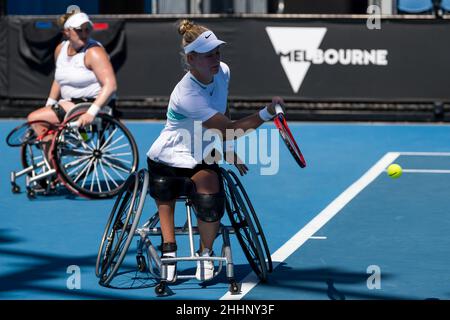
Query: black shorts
161, 170
59, 111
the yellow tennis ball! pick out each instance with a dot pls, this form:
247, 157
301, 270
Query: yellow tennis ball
394, 171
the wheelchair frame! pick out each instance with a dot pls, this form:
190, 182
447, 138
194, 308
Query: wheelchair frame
124, 220
45, 177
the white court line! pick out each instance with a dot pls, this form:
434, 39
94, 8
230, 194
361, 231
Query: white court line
251, 280
428, 154
425, 171
318, 238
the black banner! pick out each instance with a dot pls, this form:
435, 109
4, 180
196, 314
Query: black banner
299, 59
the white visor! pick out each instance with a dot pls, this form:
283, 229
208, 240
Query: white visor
76, 20
204, 43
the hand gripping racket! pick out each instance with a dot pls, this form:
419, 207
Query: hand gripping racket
286, 135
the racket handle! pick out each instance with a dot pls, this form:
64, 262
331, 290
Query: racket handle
73, 124
278, 109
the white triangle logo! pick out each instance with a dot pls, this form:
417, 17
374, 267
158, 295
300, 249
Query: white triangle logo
285, 40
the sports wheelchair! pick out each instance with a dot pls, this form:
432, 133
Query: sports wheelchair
92, 162
123, 223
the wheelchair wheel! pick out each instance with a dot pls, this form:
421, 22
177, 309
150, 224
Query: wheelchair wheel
121, 226
32, 155
243, 219
95, 161
114, 226
255, 221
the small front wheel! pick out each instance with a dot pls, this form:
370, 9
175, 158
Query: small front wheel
160, 289
234, 287
31, 194
141, 264
15, 188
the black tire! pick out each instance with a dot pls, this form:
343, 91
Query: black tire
112, 262
79, 108
256, 223
82, 159
240, 217
119, 213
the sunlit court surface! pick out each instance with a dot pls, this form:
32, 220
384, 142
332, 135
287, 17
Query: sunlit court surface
102, 108
339, 229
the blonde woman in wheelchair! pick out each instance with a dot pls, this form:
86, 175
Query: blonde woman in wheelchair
83, 74
201, 96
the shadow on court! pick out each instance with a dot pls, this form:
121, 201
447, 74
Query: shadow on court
6, 238
61, 193
42, 273
331, 283
38, 268
129, 278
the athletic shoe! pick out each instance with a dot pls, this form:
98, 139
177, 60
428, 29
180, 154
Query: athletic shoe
205, 268
171, 267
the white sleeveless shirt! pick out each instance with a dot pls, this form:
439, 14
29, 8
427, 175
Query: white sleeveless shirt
72, 75
181, 143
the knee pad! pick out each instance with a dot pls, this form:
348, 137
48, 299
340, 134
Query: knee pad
209, 207
162, 189
168, 188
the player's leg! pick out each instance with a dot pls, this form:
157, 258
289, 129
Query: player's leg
208, 202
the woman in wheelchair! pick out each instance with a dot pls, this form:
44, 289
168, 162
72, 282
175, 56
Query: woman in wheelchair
200, 98
83, 74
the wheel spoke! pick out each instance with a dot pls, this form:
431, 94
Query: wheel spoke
105, 172
104, 176
105, 144
109, 149
84, 169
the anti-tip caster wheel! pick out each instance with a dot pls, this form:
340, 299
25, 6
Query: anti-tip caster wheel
31, 194
162, 289
141, 264
15, 188
234, 287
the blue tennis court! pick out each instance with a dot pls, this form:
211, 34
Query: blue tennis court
338, 229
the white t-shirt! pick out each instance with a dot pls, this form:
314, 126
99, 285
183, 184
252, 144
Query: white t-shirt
182, 142
72, 75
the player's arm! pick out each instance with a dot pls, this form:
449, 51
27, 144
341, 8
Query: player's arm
223, 123
98, 61
55, 90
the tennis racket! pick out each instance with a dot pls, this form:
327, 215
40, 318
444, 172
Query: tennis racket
286, 135
25, 133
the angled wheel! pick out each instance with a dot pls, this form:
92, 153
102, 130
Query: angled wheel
121, 226
246, 225
95, 161
255, 221
117, 219
79, 108
32, 155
